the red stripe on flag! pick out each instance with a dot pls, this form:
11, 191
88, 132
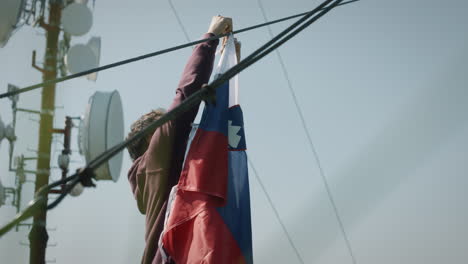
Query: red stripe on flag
200, 235
206, 165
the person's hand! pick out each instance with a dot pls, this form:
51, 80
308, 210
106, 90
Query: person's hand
220, 25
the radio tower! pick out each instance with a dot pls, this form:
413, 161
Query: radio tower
74, 18
38, 236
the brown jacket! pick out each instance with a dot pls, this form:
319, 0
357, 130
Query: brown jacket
154, 173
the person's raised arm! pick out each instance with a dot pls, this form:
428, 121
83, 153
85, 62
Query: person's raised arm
197, 72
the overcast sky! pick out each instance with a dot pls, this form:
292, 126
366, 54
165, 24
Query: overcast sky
383, 89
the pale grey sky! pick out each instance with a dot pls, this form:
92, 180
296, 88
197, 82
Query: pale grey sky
383, 88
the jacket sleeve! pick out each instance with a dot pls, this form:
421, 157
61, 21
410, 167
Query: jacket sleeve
161, 164
197, 72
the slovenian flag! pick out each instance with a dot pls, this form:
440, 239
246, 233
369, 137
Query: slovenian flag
208, 219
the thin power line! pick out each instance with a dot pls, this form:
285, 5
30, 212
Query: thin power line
85, 175
153, 54
309, 139
179, 20
270, 201
207, 90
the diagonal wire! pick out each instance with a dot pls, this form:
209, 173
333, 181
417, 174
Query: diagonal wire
309, 139
270, 201
85, 175
156, 53
206, 91
176, 14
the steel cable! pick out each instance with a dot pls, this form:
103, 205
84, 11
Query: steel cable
145, 56
312, 146
85, 175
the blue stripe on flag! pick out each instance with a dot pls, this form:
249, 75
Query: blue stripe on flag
236, 212
215, 116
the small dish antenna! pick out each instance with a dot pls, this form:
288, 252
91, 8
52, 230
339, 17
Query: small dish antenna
2, 130
95, 44
2, 194
77, 19
10, 13
77, 190
81, 57
101, 128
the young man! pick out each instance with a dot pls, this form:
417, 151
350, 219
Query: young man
158, 158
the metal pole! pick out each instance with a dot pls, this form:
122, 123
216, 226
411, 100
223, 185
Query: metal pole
38, 236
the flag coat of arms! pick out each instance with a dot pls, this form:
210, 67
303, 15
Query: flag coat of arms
208, 219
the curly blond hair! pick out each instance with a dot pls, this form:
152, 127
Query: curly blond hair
137, 148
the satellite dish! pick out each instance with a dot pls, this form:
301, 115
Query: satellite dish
10, 13
77, 190
2, 194
95, 44
10, 133
77, 19
80, 58
101, 128
2, 130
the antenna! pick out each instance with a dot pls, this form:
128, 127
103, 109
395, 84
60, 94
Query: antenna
2, 194
7, 132
95, 44
81, 57
10, 13
77, 190
101, 128
2, 130
63, 20
77, 19
10, 133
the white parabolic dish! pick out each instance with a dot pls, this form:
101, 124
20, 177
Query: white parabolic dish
102, 128
80, 58
95, 44
10, 13
2, 130
2, 194
77, 19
